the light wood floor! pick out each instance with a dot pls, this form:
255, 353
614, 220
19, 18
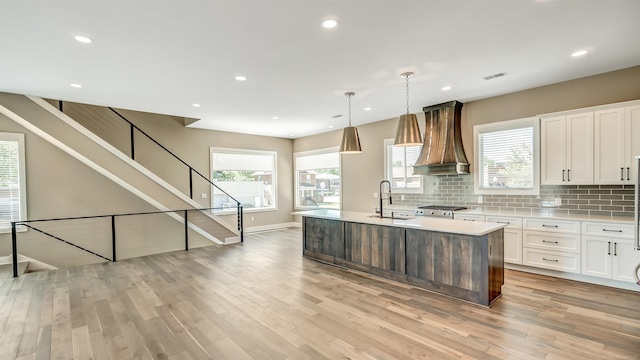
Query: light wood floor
262, 300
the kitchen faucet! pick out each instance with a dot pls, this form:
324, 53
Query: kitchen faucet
388, 198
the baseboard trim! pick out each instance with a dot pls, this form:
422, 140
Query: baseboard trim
254, 229
575, 277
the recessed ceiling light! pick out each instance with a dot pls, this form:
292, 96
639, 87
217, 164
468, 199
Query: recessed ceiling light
367, 109
240, 78
83, 39
292, 135
330, 126
330, 23
579, 53
196, 105
446, 88
76, 85
275, 118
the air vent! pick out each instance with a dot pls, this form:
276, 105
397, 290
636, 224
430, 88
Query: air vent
336, 116
495, 76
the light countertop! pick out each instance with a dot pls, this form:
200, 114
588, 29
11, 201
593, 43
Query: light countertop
538, 213
420, 223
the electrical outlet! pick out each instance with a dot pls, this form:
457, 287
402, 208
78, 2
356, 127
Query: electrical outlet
375, 195
252, 218
402, 197
558, 201
480, 199
204, 196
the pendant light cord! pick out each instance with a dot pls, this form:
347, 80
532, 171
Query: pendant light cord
349, 95
407, 94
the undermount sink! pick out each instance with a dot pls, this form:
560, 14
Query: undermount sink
391, 217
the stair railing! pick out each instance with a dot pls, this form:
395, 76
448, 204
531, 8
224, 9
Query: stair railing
132, 134
30, 224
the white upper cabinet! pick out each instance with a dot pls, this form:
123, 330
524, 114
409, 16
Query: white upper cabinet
617, 142
567, 149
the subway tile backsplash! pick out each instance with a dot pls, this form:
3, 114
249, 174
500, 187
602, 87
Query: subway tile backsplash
608, 200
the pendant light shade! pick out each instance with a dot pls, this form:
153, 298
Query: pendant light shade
350, 140
408, 133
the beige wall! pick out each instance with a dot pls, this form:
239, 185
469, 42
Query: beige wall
192, 145
363, 172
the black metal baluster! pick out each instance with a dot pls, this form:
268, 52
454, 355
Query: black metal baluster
113, 237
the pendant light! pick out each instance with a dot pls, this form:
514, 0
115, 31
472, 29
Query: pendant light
350, 139
408, 133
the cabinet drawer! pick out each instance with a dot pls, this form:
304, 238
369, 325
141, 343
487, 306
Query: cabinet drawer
569, 227
614, 230
512, 222
554, 260
466, 217
552, 241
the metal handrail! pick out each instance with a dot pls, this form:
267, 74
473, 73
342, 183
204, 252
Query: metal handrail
191, 169
14, 224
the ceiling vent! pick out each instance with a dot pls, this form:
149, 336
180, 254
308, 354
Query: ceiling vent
336, 116
495, 76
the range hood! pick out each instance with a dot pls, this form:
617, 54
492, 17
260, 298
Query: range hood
442, 152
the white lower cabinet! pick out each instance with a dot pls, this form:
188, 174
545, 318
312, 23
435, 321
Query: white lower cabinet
609, 256
512, 237
551, 244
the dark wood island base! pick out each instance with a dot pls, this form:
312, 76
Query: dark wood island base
466, 267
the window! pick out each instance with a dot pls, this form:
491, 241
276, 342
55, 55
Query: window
398, 167
317, 179
506, 154
247, 175
12, 180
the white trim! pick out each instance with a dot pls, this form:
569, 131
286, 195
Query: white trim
576, 277
34, 129
274, 179
254, 229
124, 157
22, 165
386, 143
508, 125
591, 108
332, 149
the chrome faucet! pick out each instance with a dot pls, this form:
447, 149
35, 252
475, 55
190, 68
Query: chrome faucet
388, 198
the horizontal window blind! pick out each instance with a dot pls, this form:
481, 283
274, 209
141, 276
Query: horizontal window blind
11, 179
506, 159
399, 161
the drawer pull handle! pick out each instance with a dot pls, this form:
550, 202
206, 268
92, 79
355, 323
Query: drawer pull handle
550, 242
503, 222
553, 260
612, 230
469, 219
551, 226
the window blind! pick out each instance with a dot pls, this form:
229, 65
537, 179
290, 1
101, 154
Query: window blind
506, 159
11, 179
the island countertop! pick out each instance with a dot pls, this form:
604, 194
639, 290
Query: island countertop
473, 228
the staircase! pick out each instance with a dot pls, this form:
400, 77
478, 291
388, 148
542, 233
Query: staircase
110, 160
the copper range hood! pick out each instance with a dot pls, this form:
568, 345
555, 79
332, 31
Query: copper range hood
442, 152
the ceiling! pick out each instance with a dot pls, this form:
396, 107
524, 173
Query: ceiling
165, 56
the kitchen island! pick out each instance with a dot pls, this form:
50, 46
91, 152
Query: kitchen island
455, 258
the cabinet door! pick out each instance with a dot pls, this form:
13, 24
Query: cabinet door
632, 120
610, 147
513, 246
580, 149
553, 151
596, 256
625, 259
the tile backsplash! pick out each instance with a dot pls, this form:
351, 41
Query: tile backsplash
608, 200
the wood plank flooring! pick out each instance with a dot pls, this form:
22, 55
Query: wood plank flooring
263, 300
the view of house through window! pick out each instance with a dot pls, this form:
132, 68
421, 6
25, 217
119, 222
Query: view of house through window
506, 157
398, 167
318, 179
12, 181
247, 175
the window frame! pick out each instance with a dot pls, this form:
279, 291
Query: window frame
386, 144
533, 122
296, 179
237, 151
19, 138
